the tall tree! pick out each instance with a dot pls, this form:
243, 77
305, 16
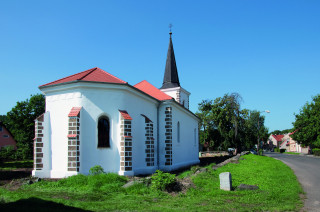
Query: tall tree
307, 123
20, 120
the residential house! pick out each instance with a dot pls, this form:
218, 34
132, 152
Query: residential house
6, 138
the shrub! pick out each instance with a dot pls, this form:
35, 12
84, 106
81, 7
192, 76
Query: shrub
162, 181
96, 170
316, 151
276, 150
260, 151
7, 153
282, 150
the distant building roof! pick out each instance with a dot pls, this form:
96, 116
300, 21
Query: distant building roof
92, 75
149, 89
278, 137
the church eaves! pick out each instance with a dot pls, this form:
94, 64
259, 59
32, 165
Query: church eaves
171, 78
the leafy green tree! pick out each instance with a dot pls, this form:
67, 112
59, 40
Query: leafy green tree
280, 132
220, 121
224, 124
20, 122
307, 123
3, 118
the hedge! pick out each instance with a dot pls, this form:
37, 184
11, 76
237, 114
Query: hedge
316, 152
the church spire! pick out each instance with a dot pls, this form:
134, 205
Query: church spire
171, 78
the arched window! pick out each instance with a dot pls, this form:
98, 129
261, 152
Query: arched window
103, 132
178, 132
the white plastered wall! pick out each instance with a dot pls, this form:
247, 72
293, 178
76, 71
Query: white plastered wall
186, 152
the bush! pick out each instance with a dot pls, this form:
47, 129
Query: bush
276, 150
7, 153
316, 151
282, 150
260, 152
95, 170
162, 181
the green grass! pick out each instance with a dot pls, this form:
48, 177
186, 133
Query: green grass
16, 164
291, 153
279, 191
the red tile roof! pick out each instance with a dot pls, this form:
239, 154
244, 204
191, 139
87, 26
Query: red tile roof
72, 135
91, 75
74, 111
278, 137
125, 115
149, 89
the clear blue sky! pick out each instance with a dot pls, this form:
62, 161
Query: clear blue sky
268, 51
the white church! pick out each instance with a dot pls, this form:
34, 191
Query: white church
94, 118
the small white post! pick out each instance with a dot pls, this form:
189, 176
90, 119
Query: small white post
225, 181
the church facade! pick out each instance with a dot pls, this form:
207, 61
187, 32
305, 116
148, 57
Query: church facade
94, 118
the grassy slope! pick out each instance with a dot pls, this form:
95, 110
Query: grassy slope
279, 190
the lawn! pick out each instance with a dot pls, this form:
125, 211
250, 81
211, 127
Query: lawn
292, 153
279, 190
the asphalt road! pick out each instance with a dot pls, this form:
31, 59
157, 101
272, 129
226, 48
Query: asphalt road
307, 170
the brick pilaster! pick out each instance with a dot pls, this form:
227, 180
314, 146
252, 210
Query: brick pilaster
38, 143
168, 136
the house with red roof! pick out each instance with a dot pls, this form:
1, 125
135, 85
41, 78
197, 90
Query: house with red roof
275, 140
95, 118
286, 142
6, 138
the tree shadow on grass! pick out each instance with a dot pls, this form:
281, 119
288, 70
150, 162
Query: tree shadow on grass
35, 205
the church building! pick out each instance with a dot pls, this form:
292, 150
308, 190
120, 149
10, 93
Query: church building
94, 118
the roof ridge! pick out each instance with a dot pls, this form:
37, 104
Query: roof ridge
89, 72
111, 75
66, 77
141, 82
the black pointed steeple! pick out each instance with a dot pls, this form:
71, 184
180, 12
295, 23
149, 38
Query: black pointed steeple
171, 78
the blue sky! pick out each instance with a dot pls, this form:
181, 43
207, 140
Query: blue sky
267, 51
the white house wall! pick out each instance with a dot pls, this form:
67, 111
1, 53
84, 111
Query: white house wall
186, 152
59, 105
99, 100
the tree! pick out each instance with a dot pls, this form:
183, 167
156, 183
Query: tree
20, 121
280, 132
3, 118
307, 123
224, 124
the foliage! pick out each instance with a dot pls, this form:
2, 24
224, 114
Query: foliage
260, 152
281, 132
20, 122
7, 152
307, 124
3, 118
224, 124
278, 191
282, 150
10, 165
96, 170
316, 151
162, 181
276, 150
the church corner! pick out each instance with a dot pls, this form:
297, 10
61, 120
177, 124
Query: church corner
94, 118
